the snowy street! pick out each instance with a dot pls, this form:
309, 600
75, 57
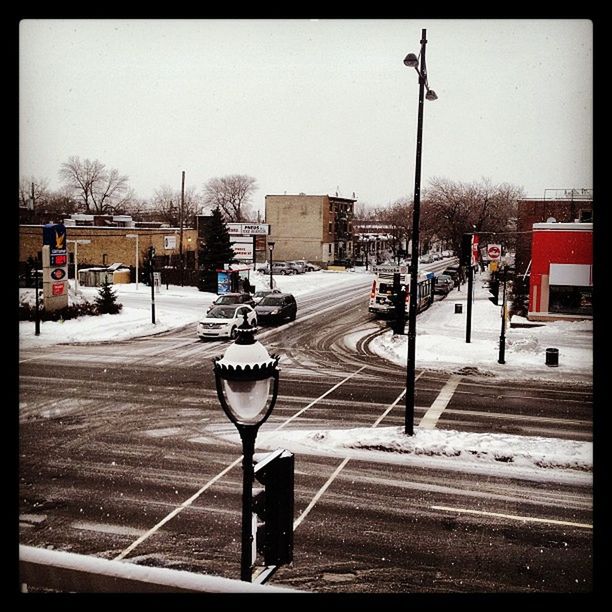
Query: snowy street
500, 470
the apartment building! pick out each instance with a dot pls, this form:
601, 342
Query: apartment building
318, 228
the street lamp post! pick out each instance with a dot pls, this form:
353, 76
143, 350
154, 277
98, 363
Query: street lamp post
271, 248
137, 256
76, 265
412, 61
246, 378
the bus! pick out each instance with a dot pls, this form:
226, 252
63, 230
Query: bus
381, 302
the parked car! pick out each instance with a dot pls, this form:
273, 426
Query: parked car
226, 299
444, 284
261, 294
308, 266
298, 266
280, 267
276, 307
222, 321
425, 259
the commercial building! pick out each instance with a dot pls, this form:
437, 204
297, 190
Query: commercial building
561, 280
577, 207
318, 228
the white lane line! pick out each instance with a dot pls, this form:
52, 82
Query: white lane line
320, 492
430, 418
337, 471
189, 501
299, 412
531, 519
178, 509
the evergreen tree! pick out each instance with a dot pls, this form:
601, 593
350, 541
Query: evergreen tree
215, 251
106, 300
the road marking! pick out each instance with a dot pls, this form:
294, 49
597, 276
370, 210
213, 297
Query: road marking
299, 412
189, 501
337, 471
320, 492
430, 418
531, 519
178, 509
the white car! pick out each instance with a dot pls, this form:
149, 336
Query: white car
223, 321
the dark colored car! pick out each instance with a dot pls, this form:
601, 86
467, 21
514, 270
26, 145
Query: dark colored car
276, 307
261, 294
226, 299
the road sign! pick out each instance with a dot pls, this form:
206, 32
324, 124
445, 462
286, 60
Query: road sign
494, 251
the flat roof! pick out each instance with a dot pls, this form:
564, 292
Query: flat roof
564, 227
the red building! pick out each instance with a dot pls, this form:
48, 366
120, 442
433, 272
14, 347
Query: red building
561, 282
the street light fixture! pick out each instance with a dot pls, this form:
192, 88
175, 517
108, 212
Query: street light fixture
137, 256
271, 248
412, 61
246, 378
76, 265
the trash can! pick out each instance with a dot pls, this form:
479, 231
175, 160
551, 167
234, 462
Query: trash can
458, 308
552, 357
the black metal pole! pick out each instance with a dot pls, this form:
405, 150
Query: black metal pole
247, 434
270, 264
414, 263
152, 292
502, 337
470, 289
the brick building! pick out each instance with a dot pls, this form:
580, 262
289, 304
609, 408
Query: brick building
318, 228
110, 244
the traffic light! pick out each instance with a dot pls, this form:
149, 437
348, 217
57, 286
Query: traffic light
466, 250
273, 506
151, 254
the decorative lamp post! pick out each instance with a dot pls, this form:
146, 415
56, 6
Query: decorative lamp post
412, 61
271, 248
247, 386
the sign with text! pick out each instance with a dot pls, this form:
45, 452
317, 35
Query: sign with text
248, 229
55, 266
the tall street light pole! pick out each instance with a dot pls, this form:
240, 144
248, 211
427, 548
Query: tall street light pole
412, 61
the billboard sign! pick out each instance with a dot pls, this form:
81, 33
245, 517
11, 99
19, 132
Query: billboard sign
248, 229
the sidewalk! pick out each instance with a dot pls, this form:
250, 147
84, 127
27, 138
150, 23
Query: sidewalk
441, 341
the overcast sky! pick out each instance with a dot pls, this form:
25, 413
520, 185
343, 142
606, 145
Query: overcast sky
309, 106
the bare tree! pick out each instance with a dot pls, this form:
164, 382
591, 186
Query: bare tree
98, 189
166, 204
451, 208
231, 194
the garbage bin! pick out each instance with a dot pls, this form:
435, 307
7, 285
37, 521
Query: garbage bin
552, 357
458, 308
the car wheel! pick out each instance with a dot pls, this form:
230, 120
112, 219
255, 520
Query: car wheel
292, 316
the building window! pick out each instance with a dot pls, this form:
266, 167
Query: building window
564, 299
585, 216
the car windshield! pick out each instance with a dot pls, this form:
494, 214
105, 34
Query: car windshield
227, 299
221, 312
260, 293
272, 300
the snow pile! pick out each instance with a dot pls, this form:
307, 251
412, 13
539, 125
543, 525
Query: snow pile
490, 453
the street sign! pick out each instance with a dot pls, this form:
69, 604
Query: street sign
494, 251
248, 229
169, 242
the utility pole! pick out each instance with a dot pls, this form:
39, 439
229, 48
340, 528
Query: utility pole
181, 215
